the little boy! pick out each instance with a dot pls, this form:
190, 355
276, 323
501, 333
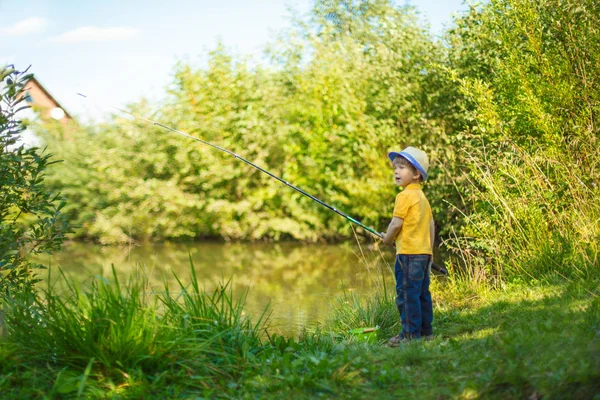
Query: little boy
413, 230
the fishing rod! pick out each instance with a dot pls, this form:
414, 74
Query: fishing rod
349, 218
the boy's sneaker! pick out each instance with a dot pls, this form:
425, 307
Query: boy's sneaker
398, 341
428, 337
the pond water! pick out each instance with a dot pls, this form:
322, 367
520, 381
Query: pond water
297, 282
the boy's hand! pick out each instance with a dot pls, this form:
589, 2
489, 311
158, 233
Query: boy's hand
383, 234
383, 239
389, 243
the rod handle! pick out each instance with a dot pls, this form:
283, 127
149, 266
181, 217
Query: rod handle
439, 269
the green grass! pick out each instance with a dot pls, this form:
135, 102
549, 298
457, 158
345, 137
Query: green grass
121, 341
117, 338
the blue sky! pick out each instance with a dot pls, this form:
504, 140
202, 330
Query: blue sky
120, 51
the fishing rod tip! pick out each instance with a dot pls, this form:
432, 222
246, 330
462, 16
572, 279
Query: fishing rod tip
82, 95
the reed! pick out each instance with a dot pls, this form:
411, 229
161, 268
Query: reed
534, 214
111, 327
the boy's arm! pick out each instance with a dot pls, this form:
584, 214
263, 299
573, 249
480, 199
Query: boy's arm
393, 231
432, 235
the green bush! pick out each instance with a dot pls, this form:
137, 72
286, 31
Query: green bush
506, 106
528, 73
30, 213
322, 114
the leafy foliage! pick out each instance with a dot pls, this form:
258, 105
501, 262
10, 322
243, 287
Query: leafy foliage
506, 105
30, 214
321, 115
528, 73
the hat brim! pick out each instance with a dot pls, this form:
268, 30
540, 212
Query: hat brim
392, 155
410, 159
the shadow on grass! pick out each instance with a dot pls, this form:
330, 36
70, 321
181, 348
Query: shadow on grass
520, 347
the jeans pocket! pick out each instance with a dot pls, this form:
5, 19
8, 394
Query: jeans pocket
416, 270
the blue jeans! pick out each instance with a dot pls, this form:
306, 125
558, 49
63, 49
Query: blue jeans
413, 297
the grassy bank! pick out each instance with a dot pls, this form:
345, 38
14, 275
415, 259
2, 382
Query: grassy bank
127, 341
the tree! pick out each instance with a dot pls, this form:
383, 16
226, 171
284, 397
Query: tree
30, 215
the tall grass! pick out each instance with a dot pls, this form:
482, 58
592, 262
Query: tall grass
129, 340
534, 213
352, 310
213, 332
111, 323
113, 329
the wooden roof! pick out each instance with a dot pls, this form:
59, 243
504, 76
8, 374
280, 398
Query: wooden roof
33, 83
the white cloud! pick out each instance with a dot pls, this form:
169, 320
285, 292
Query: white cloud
96, 34
29, 25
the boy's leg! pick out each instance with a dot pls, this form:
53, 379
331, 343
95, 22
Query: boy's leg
426, 304
399, 274
409, 271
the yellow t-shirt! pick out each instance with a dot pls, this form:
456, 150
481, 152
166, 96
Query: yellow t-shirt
412, 206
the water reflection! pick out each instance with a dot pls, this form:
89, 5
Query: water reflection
296, 280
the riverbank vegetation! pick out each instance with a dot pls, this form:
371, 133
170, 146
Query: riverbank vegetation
129, 340
506, 104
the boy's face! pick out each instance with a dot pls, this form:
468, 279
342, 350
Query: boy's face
405, 173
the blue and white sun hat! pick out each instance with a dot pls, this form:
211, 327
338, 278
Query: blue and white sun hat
416, 157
